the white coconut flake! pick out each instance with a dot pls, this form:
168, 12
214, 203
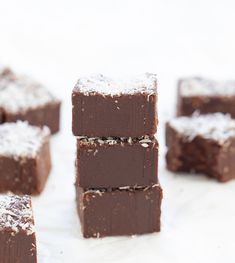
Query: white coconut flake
19, 140
20, 93
217, 126
205, 87
145, 141
16, 214
146, 83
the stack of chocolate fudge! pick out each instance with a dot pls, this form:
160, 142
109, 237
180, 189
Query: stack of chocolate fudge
202, 138
117, 187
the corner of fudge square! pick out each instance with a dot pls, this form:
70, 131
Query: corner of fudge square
22, 98
17, 231
121, 211
202, 144
25, 160
104, 107
205, 96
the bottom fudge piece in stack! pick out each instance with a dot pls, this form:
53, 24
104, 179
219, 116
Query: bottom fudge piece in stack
24, 158
202, 144
17, 234
121, 211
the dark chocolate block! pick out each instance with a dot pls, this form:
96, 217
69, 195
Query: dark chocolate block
205, 96
104, 107
202, 144
17, 233
116, 162
24, 158
120, 211
24, 99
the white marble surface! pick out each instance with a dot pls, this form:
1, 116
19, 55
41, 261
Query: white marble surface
56, 42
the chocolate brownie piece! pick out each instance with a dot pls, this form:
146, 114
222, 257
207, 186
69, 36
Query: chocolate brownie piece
104, 107
205, 96
116, 162
24, 158
202, 144
24, 99
122, 211
17, 233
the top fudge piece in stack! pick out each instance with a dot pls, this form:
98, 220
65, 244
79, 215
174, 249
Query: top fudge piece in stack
205, 96
24, 99
104, 107
203, 144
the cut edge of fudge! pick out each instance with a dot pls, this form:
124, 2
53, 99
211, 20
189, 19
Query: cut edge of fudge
100, 84
144, 141
21, 140
197, 86
217, 126
210, 155
16, 214
20, 93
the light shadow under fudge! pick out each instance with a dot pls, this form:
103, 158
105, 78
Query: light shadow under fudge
118, 212
104, 107
22, 98
116, 162
202, 144
17, 232
205, 96
25, 160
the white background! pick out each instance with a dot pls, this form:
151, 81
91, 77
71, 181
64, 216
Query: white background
56, 42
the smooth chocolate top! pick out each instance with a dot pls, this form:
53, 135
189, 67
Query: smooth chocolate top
217, 126
100, 84
197, 86
21, 140
16, 214
20, 93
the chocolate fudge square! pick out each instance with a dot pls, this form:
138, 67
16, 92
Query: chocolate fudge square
17, 232
116, 162
21, 98
202, 144
104, 107
123, 211
205, 96
25, 160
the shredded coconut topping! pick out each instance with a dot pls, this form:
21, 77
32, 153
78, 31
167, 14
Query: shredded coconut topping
20, 93
123, 188
145, 141
146, 83
217, 126
16, 214
205, 87
20, 140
